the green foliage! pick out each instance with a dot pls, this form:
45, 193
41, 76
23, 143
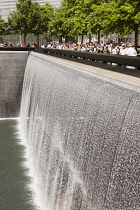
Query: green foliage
18, 20
47, 15
70, 19
2, 26
34, 18
30, 17
40, 18
76, 17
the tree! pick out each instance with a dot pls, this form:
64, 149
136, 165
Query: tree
70, 19
120, 16
130, 16
30, 17
95, 16
2, 26
56, 28
39, 18
95, 24
19, 20
47, 15
35, 21
76, 18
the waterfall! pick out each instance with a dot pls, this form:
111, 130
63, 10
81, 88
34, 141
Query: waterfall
83, 133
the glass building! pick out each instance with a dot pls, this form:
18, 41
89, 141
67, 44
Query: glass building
7, 6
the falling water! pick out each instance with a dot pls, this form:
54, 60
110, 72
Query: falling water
83, 133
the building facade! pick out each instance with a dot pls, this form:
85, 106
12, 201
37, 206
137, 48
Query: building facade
7, 6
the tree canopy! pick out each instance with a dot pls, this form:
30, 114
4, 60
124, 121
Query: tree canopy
77, 17
19, 19
121, 17
2, 26
30, 17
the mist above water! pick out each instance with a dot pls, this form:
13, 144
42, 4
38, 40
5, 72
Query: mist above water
83, 135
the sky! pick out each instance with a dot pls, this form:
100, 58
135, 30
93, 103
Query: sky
7, 6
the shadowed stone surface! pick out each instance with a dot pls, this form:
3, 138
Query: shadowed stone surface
12, 68
84, 131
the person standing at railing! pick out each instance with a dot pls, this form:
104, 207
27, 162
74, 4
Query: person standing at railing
18, 45
78, 47
83, 47
54, 45
131, 52
96, 47
49, 45
10, 44
90, 47
59, 46
101, 47
109, 46
123, 49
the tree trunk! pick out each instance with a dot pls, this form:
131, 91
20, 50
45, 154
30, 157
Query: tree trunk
37, 40
47, 39
89, 37
20, 38
66, 39
25, 35
72, 40
60, 39
99, 36
82, 38
136, 37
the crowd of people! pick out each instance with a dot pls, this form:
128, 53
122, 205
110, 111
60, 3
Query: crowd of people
10, 44
109, 47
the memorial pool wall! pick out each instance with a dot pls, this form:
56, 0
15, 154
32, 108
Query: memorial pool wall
12, 68
83, 131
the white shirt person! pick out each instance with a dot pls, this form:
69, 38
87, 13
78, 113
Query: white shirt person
131, 52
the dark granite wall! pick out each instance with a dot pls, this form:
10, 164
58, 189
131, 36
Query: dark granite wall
12, 67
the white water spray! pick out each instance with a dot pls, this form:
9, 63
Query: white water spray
28, 163
74, 124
